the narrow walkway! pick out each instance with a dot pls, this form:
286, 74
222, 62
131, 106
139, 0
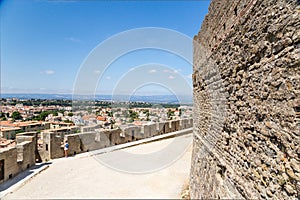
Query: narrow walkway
84, 176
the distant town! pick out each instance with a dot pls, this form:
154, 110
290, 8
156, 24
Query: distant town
23, 115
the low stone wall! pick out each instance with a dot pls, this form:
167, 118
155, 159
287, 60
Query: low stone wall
43, 150
89, 141
149, 130
18, 158
8, 156
32, 137
26, 154
118, 136
56, 149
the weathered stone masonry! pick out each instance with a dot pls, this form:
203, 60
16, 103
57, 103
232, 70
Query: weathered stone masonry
94, 140
246, 101
15, 159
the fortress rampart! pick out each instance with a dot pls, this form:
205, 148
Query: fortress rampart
94, 140
247, 101
18, 158
26, 150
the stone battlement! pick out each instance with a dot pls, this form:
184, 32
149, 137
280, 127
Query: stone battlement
94, 140
15, 159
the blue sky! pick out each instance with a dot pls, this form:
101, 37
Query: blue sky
44, 43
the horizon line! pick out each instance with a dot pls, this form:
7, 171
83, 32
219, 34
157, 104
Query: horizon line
18, 93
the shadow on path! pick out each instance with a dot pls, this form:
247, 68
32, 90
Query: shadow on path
23, 175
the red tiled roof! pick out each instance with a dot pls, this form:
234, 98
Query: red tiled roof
101, 118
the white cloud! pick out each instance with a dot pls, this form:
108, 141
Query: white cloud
72, 39
48, 72
97, 71
175, 71
108, 77
152, 71
171, 77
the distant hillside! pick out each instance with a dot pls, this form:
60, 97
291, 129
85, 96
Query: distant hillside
185, 99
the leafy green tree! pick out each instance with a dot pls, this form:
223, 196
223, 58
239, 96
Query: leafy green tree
125, 113
70, 114
43, 115
89, 110
133, 115
147, 114
16, 115
109, 113
2, 116
19, 131
67, 121
170, 113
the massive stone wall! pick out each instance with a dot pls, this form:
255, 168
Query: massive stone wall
247, 101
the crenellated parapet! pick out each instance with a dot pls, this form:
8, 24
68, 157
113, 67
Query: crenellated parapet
19, 157
94, 140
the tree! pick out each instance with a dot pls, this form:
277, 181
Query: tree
109, 113
70, 114
43, 115
125, 113
133, 115
2, 116
170, 113
16, 115
147, 114
67, 121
